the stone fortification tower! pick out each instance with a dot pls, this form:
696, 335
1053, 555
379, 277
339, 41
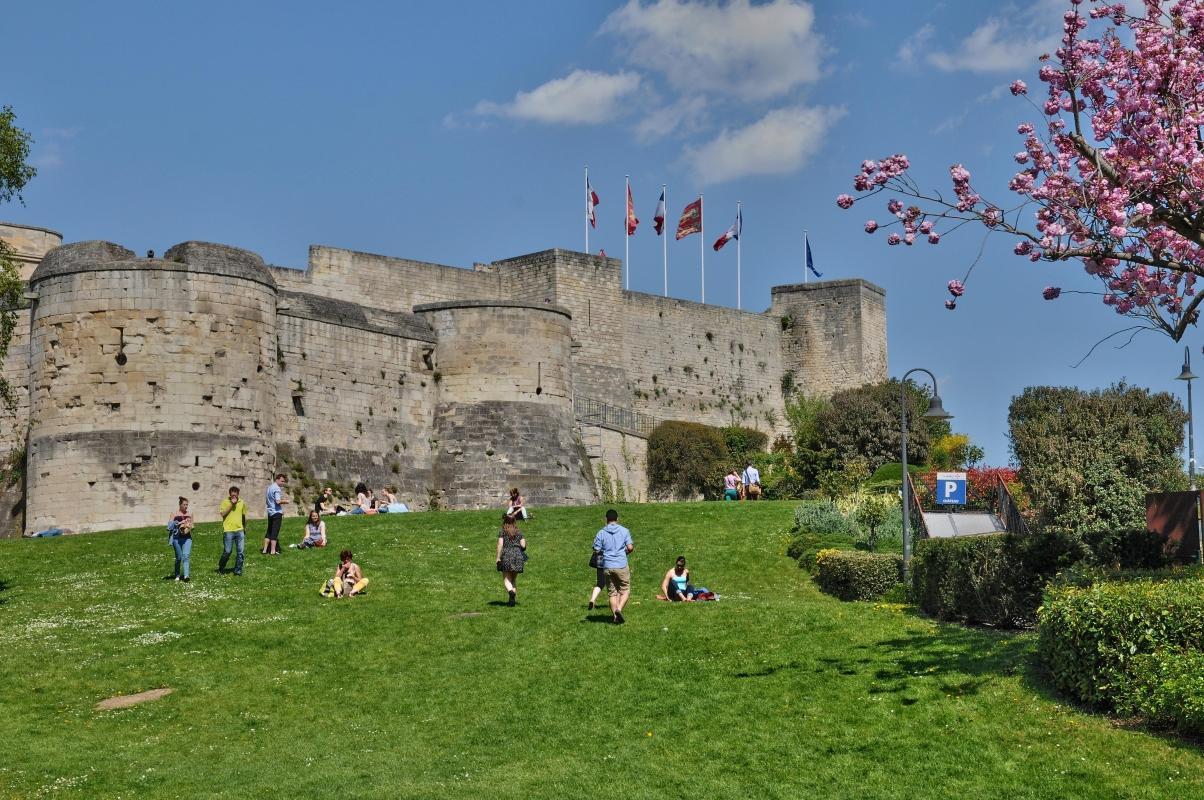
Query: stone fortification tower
504, 413
150, 378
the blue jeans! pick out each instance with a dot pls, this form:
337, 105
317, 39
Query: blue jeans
227, 544
183, 548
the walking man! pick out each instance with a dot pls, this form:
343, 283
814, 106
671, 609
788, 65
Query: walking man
276, 501
614, 542
752, 482
234, 528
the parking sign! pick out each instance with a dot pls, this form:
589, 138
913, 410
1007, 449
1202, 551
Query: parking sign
951, 488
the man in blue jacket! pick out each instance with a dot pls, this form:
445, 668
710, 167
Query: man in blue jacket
614, 542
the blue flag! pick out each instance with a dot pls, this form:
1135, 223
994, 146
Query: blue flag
810, 263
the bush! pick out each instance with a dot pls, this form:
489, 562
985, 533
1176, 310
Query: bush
823, 518
1127, 549
686, 459
995, 580
854, 575
1167, 689
1091, 637
743, 443
804, 546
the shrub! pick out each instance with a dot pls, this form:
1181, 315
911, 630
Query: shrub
1090, 637
854, 575
804, 546
1167, 689
824, 519
994, 580
743, 443
1127, 549
686, 459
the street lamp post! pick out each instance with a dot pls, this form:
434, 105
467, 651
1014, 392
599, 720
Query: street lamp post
1187, 377
935, 411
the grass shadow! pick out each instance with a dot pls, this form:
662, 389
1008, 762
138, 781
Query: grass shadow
3, 588
607, 618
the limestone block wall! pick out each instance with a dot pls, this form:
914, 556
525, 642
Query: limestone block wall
29, 244
356, 394
384, 282
702, 363
626, 460
149, 379
504, 416
835, 333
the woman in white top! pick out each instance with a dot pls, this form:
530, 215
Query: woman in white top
315, 532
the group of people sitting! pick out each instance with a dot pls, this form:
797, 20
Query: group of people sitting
743, 486
366, 502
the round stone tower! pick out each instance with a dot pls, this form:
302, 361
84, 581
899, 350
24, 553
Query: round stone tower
504, 414
149, 379
29, 244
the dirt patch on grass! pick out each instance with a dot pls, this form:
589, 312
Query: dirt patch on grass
127, 700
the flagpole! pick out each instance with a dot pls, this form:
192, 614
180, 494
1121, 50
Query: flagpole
665, 235
702, 248
739, 236
805, 245
587, 199
627, 233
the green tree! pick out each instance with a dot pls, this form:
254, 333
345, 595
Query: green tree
686, 459
15, 172
1088, 458
864, 422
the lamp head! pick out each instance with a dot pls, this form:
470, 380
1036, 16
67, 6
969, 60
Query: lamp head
1186, 374
936, 410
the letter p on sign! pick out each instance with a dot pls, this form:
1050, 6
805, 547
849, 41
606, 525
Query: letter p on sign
951, 488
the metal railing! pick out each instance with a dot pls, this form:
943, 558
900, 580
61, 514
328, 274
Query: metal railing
1005, 508
917, 511
592, 411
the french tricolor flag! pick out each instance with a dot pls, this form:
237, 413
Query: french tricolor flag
658, 219
732, 233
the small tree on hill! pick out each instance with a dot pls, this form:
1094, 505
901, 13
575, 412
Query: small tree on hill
864, 422
15, 172
686, 459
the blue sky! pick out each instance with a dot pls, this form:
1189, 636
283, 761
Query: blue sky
457, 132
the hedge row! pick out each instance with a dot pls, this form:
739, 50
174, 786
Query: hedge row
856, 575
1093, 639
993, 580
1167, 690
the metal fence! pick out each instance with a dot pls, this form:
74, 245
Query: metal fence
917, 511
592, 411
1005, 509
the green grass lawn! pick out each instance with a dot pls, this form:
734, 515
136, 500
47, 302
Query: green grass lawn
430, 687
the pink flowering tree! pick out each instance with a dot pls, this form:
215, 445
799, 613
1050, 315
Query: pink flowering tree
1113, 175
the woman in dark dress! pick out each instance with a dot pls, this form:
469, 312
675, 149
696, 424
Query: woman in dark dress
511, 554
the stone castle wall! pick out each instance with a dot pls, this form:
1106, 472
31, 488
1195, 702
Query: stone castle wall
449, 384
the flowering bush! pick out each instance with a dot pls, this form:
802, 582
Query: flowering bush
1114, 175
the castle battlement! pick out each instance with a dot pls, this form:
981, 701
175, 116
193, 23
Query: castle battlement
141, 379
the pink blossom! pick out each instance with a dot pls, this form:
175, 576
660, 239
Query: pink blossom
870, 226
894, 206
1018, 87
956, 288
950, 304
934, 238
894, 239
926, 226
844, 201
1051, 292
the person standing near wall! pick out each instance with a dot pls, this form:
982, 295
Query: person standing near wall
752, 481
180, 525
615, 543
234, 530
276, 501
511, 555
731, 482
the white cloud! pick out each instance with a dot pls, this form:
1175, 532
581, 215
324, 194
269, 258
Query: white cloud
778, 143
686, 113
580, 98
755, 51
916, 43
1003, 43
49, 148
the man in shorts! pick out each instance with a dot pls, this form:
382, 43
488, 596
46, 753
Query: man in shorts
614, 542
276, 501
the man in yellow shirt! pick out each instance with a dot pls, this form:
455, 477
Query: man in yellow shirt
234, 524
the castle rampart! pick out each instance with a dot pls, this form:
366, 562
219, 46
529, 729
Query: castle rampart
207, 367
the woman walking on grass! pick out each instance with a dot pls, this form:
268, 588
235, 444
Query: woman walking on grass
511, 555
180, 525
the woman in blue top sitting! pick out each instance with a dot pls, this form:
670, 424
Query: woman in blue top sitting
676, 585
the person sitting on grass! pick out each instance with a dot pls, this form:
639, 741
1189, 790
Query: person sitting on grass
365, 501
676, 586
315, 532
348, 580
